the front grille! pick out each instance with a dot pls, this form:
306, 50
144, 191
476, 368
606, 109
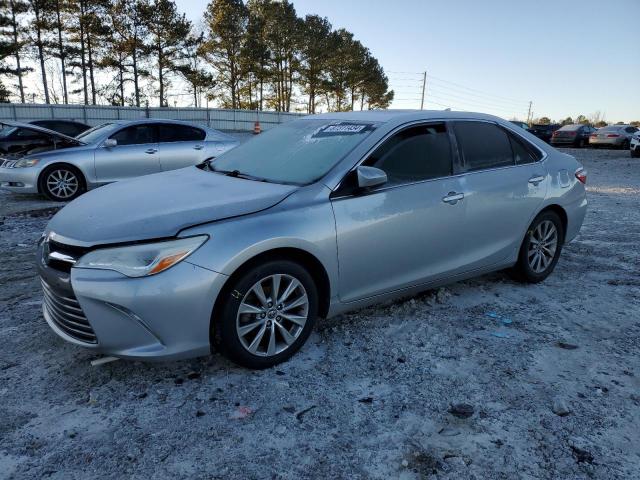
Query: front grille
71, 252
67, 314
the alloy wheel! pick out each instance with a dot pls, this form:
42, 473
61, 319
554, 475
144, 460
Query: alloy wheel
272, 315
62, 183
543, 243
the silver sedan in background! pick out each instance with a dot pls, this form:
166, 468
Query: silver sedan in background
318, 216
110, 152
613, 136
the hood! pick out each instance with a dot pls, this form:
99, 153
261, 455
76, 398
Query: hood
58, 141
160, 205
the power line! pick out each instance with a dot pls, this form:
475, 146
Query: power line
452, 86
482, 103
479, 92
455, 91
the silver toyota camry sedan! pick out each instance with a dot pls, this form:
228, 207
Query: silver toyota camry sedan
110, 152
321, 215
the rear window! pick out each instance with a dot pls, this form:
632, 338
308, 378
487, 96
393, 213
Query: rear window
179, 133
611, 128
483, 145
570, 128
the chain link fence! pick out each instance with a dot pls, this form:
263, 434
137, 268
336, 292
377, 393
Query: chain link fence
222, 119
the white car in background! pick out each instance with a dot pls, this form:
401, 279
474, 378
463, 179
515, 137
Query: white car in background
634, 145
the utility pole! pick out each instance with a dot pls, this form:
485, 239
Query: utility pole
529, 112
424, 85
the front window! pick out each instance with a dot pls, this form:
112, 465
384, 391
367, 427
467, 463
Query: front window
414, 154
297, 152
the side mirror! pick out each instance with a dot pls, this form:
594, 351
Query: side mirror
369, 177
110, 143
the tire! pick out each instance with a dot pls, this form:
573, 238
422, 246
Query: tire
626, 145
269, 321
635, 153
528, 269
70, 183
582, 143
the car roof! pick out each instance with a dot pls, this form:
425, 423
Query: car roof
384, 116
58, 120
37, 128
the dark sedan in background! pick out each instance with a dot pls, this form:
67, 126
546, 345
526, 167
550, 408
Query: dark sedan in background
18, 139
544, 132
70, 128
576, 135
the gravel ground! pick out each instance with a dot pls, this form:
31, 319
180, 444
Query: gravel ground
551, 372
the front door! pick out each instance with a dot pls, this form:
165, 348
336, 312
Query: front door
137, 153
407, 231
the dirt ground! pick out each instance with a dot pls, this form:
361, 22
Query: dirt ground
551, 371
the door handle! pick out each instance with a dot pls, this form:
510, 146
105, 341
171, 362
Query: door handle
536, 180
452, 198
198, 147
151, 150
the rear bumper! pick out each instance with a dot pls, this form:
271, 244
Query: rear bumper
162, 317
606, 142
564, 141
20, 180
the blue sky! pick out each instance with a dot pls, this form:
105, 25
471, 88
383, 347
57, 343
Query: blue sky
568, 57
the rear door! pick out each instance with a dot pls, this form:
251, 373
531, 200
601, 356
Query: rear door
504, 182
407, 231
136, 154
181, 145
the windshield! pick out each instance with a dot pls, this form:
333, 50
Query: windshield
7, 130
96, 133
298, 152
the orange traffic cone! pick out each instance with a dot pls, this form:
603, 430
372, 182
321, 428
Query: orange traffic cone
256, 128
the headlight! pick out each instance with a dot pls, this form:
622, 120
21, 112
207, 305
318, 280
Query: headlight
142, 260
26, 162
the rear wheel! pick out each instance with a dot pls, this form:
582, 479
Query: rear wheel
540, 248
62, 183
635, 153
267, 315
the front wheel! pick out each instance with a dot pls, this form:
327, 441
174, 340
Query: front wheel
267, 315
540, 248
62, 183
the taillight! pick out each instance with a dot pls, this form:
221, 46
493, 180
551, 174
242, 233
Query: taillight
555, 134
594, 135
613, 135
581, 175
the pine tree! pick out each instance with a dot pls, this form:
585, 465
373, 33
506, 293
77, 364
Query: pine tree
126, 53
315, 54
227, 22
191, 70
39, 41
12, 41
168, 30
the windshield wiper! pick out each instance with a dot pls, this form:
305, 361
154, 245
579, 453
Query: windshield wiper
237, 174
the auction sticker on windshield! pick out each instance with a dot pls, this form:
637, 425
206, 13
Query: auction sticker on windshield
343, 128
